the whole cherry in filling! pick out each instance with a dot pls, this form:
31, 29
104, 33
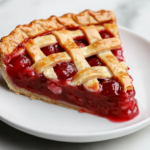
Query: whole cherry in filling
17, 65
105, 34
110, 102
119, 54
94, 61
111, 88
56, 48
65, 70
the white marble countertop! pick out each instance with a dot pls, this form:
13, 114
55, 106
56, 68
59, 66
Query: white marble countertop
132, 14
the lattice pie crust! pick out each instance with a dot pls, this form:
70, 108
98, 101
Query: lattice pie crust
88, 24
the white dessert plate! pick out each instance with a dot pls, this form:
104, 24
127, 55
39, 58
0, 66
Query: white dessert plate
57, 123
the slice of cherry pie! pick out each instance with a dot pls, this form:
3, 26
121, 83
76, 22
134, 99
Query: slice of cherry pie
74, 61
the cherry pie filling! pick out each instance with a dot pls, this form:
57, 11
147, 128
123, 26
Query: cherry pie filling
110, 102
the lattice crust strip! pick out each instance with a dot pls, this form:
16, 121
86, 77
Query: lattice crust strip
93, 49
88, 51
36, 55
47, 40
66, 41
91, 73
118, 71
55, 58
48, 62
97, 46
86, 75
37, 27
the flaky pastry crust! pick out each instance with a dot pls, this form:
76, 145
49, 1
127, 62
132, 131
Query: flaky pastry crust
37, 27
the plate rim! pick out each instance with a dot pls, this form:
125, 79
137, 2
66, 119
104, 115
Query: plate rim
88, 137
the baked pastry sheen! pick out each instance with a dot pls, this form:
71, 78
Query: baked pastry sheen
75, 60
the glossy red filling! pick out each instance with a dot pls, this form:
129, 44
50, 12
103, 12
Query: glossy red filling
110, 102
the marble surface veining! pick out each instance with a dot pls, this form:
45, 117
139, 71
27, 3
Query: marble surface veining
133, 14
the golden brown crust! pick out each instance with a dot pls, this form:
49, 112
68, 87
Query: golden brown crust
118, 71
91, 73
66, 41
36, 27
36, 54
88, 51
33, 50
